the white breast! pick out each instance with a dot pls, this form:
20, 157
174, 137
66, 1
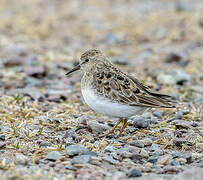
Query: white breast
104, 106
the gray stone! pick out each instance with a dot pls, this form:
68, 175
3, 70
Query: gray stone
140, 122
73, 150
81, 159
157, 114
126, 154
97, 127
44, 144
178, 115
21, 159
182, 124
119, 151
70, 133
134, 172
53, 156
147, 142
2, 137
153, 159
164, 160
136, 157
154, 147
136, 143
144, 153
70, 167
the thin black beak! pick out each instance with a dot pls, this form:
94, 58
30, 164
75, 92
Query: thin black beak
73, 70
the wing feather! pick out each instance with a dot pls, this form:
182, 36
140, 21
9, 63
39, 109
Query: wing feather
125, 89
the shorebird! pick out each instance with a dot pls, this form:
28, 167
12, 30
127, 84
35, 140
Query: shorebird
112, 92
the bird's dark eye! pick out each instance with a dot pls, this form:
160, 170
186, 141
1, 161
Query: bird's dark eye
86, 60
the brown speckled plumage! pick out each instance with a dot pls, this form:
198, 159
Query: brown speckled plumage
112, 83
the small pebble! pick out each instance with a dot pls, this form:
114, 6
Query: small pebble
53, 156
137, 143
144, 153
73, 150
70, 167
134, 173
81, 159
140, 122
153, 159
44, 144
146, 142
21, 159
136, 158
2, 137
126, 154
97, 127
164, 160
158, 114
148, 165
178, 115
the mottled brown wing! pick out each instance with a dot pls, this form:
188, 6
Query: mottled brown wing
124, 89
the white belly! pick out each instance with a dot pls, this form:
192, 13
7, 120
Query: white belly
106, 107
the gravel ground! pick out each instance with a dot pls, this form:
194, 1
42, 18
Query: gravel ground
46, 129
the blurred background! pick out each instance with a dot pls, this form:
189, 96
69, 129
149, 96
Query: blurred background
158, 41
42, 39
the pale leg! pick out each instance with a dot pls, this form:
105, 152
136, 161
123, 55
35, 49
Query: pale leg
125, 123
112, 130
